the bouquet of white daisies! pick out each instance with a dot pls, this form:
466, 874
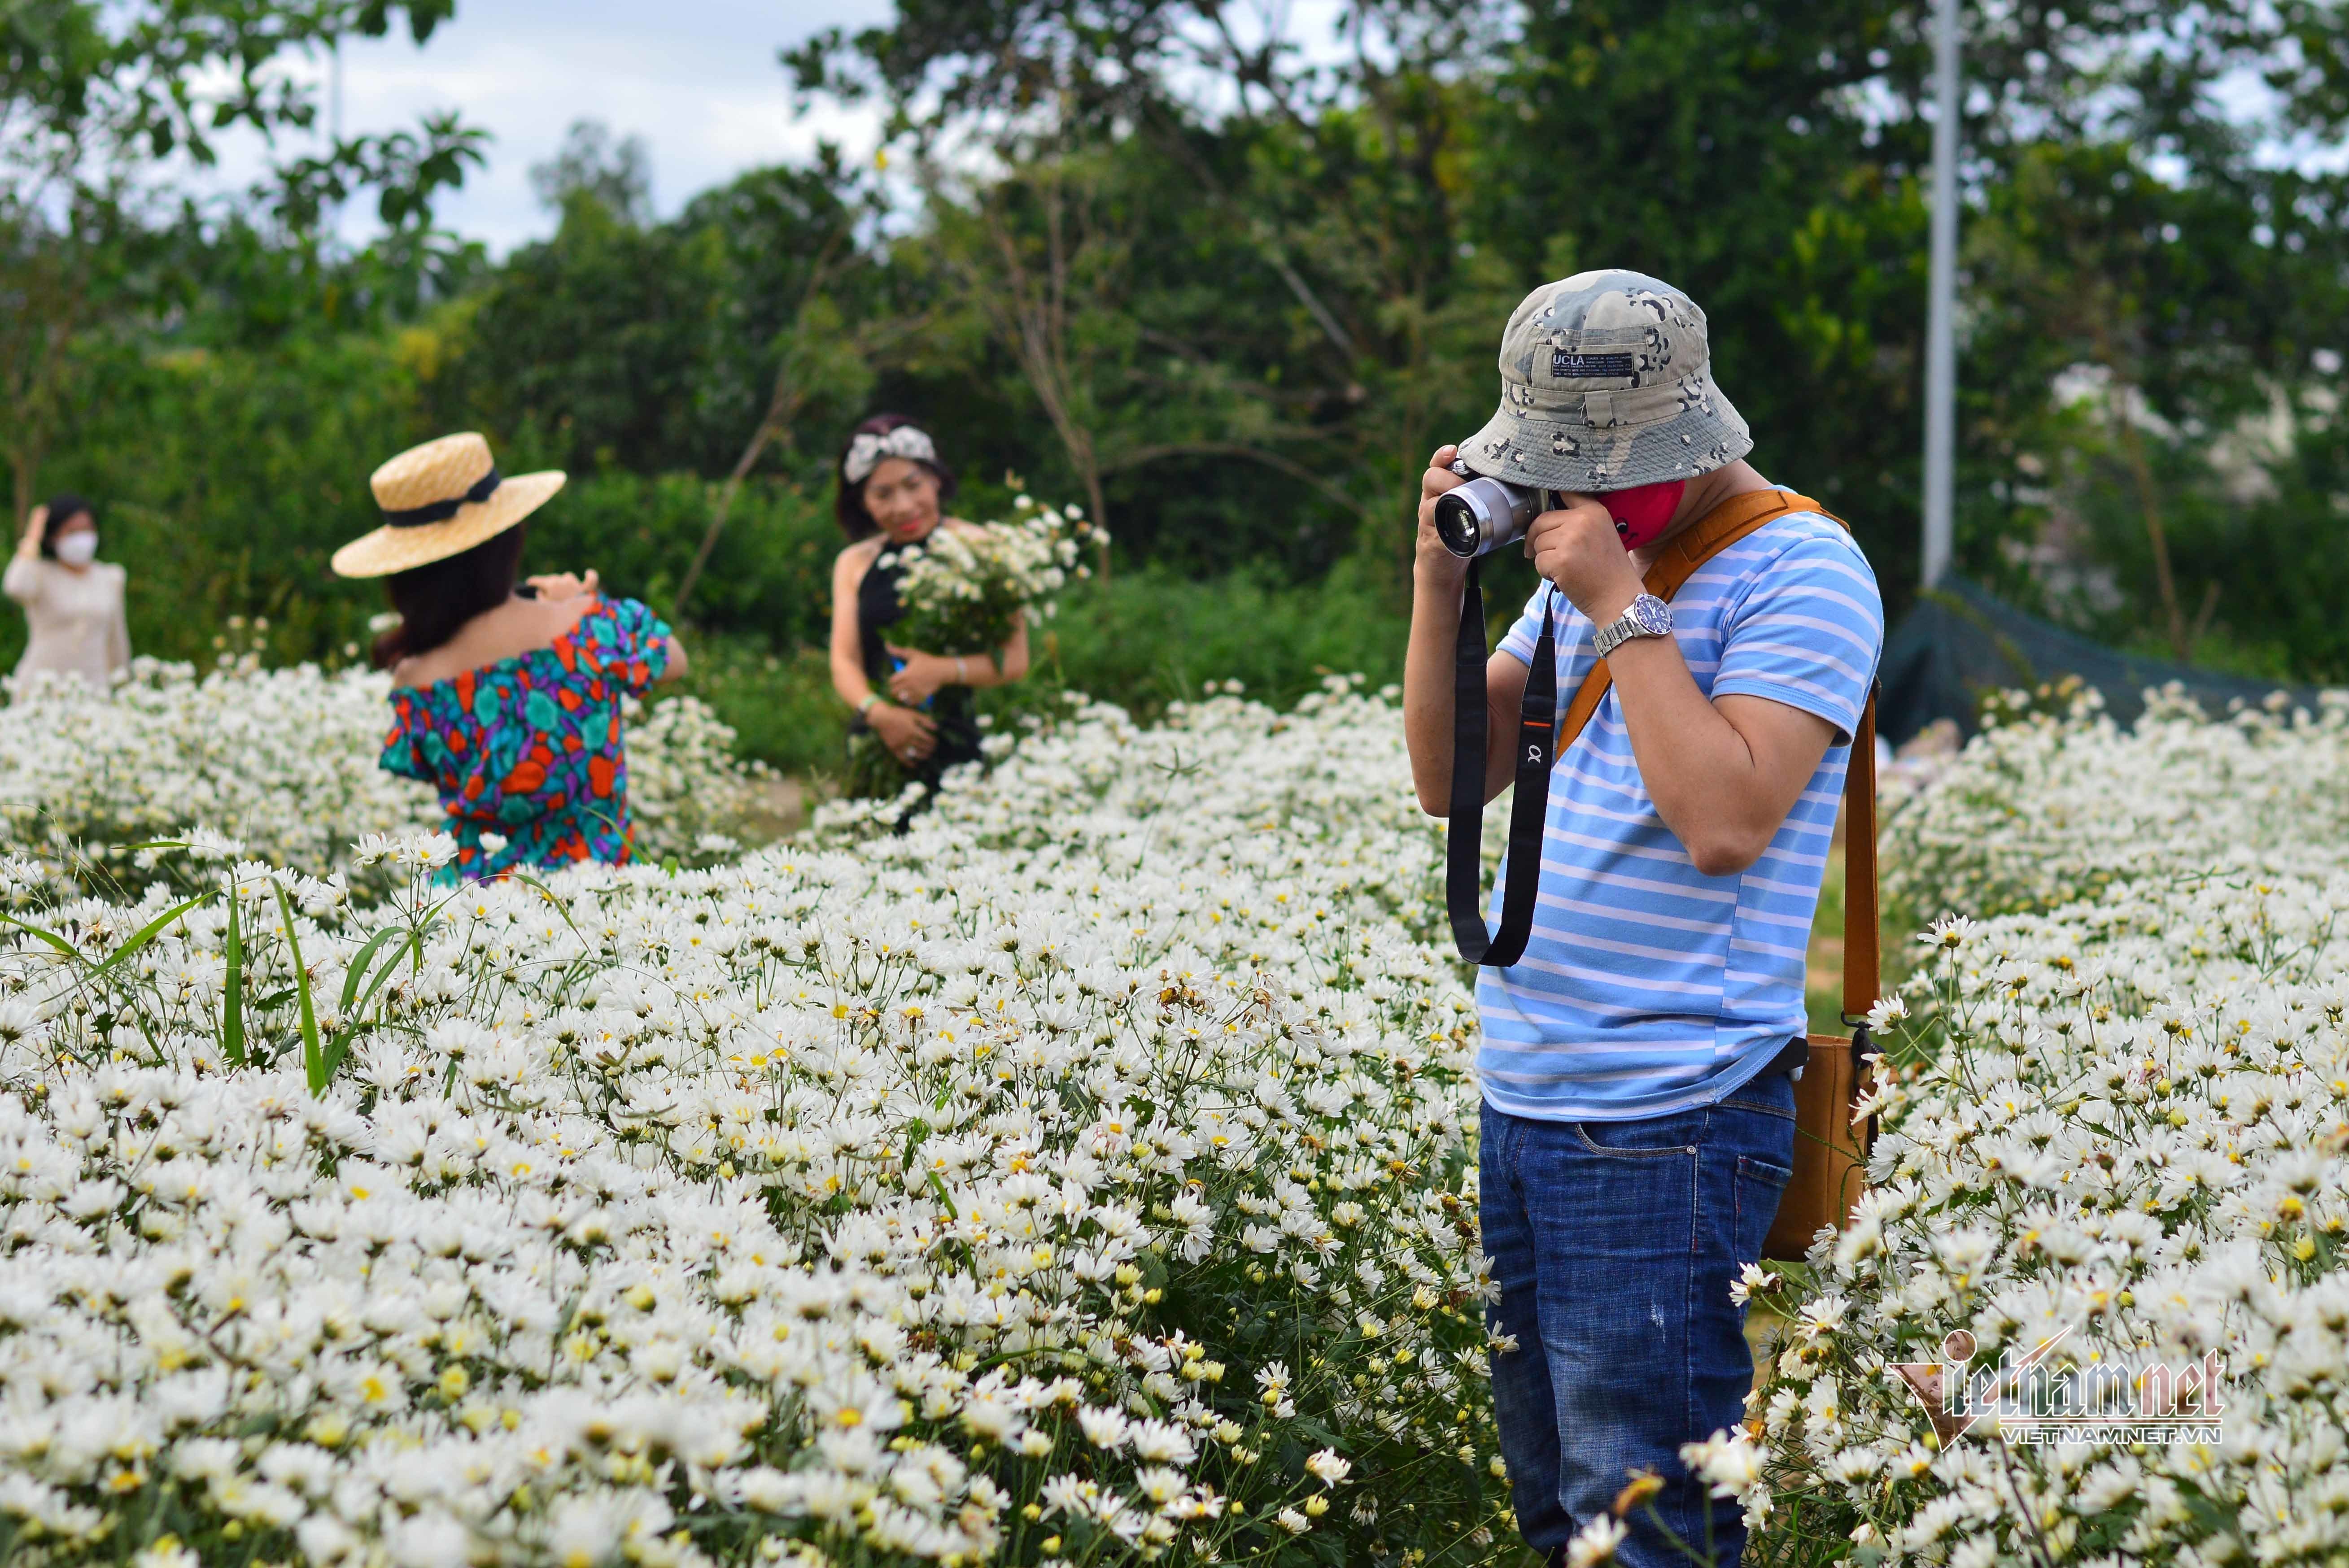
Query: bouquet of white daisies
965, 591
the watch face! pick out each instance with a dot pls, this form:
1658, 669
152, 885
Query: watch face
1655, 617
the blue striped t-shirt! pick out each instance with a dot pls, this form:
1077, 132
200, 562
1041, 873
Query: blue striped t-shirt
1648, 988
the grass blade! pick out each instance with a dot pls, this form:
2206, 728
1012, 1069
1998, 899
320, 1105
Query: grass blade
382, 976
147, 933
314, 1059
548, 893
51, 937
366, 955
233, 994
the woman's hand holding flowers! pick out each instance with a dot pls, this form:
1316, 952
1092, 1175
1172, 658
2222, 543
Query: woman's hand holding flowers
907, 734
921, 677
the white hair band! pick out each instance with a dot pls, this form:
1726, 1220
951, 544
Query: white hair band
866, 449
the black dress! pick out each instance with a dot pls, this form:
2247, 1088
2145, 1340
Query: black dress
951, 707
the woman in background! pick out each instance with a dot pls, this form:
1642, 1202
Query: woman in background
893, 490
73, 601
505, 700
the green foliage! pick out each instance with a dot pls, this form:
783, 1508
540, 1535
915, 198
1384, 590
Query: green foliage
1230, 303
225, 478
145, 77
1151, 638
781, 705
1320, 270
770, 578
654, 347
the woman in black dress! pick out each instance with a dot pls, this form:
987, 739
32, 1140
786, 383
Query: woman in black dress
892, 488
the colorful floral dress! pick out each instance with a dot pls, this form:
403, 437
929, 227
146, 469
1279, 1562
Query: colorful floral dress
529, 747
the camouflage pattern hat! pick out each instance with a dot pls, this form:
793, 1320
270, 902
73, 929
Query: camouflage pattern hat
1607, 383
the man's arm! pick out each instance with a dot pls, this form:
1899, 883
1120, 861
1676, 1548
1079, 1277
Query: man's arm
1437, 577
1724, 772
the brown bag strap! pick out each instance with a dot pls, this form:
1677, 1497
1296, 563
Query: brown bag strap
1719, 529
1861, 957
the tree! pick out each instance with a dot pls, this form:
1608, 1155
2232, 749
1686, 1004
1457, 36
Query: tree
1047, 289
1328, 243
817, 354
617, 177
94, 94
1288, 268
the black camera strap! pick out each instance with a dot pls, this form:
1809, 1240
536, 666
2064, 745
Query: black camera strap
1543, 732
1537, 750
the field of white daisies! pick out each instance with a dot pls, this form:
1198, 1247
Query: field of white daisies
1083, 1176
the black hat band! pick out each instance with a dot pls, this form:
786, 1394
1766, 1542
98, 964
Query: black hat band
443, 510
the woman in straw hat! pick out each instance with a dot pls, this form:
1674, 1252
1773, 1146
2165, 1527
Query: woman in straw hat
506, 700
893, 490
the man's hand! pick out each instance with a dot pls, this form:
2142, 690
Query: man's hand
1437, 579
1579, 549
1436, 566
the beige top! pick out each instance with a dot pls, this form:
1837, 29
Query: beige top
76, 617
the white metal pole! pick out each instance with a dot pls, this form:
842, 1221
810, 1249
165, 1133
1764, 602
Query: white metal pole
1941, 334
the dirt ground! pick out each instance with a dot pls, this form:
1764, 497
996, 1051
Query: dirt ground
784, 802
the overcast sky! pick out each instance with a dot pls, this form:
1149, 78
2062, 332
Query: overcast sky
697, 80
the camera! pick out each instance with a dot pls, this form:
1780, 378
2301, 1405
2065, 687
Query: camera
1485, 514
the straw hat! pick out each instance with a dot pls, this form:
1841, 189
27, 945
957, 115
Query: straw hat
440, 499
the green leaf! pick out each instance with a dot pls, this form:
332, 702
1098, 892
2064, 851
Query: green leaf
147, 933
939, 1188
233, 994
314, 1057
415, 945
366, 955
330, 1057
917, 1132
51, 937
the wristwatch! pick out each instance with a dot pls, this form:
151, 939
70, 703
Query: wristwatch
1649, 616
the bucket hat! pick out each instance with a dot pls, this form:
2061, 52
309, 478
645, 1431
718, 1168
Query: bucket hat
1607, 383
440, 499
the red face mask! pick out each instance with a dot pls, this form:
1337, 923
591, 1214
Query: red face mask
1642, 513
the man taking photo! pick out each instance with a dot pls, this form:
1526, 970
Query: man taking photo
1638, 1120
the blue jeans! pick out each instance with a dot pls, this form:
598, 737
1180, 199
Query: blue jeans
1614, 1243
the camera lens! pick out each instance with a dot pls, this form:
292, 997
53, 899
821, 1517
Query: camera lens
1457, 525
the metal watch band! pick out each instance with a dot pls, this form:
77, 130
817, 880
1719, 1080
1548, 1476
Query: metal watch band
1629, 624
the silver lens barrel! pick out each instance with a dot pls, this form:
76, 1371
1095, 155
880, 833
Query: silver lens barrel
1481, 516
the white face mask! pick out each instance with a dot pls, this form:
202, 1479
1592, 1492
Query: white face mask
78, 549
